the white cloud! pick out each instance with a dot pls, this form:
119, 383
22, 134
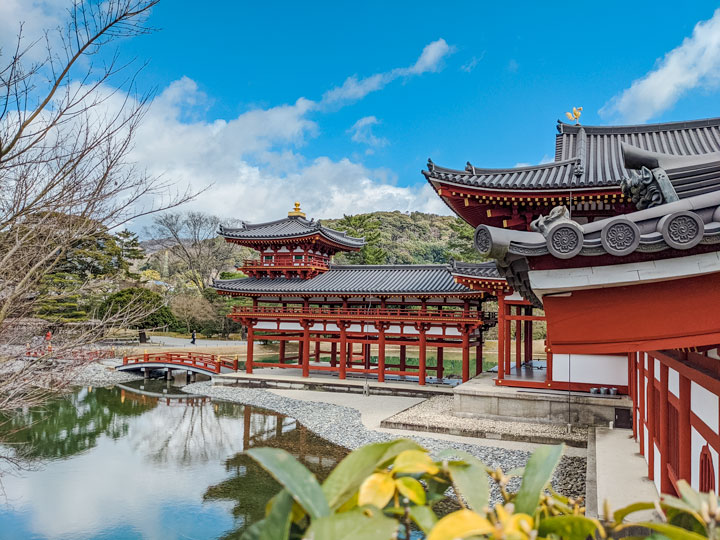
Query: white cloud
471, 64
35, 17
353, 89
253, 165
362, 132
693, 64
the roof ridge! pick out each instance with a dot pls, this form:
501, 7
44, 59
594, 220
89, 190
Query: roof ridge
564, 127
388, 266
476, 171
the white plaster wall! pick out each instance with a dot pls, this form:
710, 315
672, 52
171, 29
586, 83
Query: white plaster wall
705, 405
656, 468
645, 446
674, 382
696, 444
290, 326
656, 373
355, 328
394, 329
266, 325
590, 368
645, 360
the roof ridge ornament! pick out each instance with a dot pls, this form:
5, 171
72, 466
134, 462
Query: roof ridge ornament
430, 165
469, 167
574, 115
296, 212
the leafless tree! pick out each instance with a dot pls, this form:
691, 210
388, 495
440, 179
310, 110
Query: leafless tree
67, 125
192, 308
192, 238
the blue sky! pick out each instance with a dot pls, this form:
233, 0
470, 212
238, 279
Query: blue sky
339, 104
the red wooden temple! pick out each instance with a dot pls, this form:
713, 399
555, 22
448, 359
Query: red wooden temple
339, 315
640, 286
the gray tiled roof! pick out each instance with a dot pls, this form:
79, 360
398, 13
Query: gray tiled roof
486, 270
290, 227
589, 156
356, 279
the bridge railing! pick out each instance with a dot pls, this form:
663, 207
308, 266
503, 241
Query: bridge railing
209, 362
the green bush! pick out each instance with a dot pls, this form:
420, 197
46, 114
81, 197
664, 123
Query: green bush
143, 308
381, 490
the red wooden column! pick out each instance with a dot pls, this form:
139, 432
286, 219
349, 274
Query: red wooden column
651, 420
403, 357
422, 328
684, 458
663, 430
642, 406
507, 338
501, 338
333, 354
343, 348
381, 327
440, 359
306, 348
518, 340
478, 354
318, 342
249, 353
632, 386
528, 336
281, 351
465, 354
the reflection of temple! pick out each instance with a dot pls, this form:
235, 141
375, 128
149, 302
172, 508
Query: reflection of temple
632, 296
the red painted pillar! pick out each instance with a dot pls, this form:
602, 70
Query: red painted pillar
281, 351
518, 340
333, 354
632, 390
318, 341
501, 338
651, 420
663, 430
343, 349
306, 350
423, 357
381, 353
683, 438
478, 355
642, 406
440, 360
528, 336
249, 353
465, 355
403, 357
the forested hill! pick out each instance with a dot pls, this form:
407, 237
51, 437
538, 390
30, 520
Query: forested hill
407, 238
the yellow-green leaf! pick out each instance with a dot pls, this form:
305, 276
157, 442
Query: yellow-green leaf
377, 489
411, 488
414, 462
671, 531
460, 524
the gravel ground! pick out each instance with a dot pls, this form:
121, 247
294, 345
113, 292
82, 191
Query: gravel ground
103, 374
437, 411
343, 426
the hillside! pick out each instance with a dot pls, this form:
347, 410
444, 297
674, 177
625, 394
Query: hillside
413, 238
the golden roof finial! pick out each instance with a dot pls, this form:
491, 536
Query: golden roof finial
574, 115
297, 212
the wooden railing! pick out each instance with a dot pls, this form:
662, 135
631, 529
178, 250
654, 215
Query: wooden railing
458, 315
287, 260
208, 362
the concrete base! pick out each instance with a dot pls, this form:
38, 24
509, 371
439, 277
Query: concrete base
481, 398
620, 474
286, 379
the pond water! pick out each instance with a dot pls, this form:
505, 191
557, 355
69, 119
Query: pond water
132, 462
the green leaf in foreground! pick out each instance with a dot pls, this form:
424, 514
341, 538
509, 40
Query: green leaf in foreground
471, 481
358, 524
538, 472
423, 517
570, 527
277, 522
352, 471
294, 477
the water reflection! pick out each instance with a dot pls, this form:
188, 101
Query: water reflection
146, 461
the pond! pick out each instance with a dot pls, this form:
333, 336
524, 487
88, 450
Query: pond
144, 460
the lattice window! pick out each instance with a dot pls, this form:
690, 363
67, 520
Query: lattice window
707, 470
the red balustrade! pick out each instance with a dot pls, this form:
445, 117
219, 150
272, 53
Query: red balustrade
208, 362
287, 260
459, 315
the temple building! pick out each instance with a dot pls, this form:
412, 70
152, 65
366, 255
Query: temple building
639, 285
343, 312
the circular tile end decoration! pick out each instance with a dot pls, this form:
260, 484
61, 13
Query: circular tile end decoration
682, 230
565, 240
620, 237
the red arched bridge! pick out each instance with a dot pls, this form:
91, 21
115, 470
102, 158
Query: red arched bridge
207, 364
